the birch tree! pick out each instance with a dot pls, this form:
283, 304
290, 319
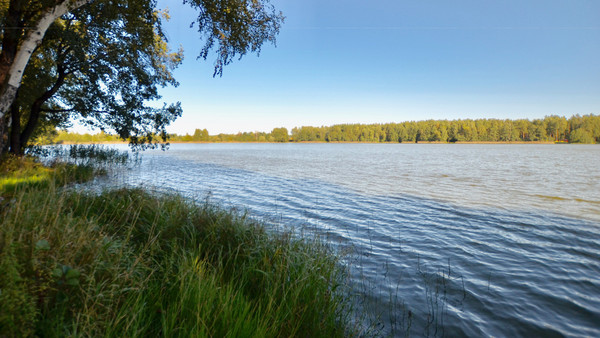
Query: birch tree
80, 72
24, 24
229, 28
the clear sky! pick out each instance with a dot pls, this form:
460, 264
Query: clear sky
378, 61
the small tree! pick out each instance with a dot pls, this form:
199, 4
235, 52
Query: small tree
280, 135
200, 135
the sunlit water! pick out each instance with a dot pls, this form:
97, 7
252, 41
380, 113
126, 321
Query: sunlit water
476, 240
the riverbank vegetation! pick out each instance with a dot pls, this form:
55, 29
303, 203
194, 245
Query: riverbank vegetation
18, 173
135, 263
576, 129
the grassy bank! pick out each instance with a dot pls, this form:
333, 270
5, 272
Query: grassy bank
128, 262
21, 172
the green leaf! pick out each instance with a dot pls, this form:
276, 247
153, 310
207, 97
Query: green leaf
72, 282
42, 244
72, 274
57, 273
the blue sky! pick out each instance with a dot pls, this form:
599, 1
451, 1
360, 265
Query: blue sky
392, 61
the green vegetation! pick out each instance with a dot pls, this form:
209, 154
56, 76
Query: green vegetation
62, 82
77, 163
576, 129
102, 62
62, 136
132, 263
17, 173
280, 135
97, 156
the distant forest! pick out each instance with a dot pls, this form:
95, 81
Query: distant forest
576, 129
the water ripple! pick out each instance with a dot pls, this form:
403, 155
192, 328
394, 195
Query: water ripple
489, 269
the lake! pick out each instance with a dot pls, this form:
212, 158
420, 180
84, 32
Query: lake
442, 239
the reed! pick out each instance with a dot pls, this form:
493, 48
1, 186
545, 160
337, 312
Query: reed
84, 154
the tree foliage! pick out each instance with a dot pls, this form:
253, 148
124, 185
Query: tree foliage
235, 26
280, 135
81, 72
576, 129
104, 62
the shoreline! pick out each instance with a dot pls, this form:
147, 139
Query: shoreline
147, 257
318, 142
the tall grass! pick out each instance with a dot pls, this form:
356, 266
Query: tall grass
21, 172
59, 165
81, 154
132, 263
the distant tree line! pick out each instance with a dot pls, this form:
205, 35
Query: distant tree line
576, 129
276, 135
63, 136
200, 135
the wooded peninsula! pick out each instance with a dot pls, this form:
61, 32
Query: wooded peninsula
576, 129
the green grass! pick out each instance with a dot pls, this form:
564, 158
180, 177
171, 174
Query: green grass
132, 263
21, 172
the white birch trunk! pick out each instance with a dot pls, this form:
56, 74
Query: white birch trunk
25, 50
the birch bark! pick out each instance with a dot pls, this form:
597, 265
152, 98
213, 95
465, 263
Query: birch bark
15, 68
32, 39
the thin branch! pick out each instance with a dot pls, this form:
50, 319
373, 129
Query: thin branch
48, 110
57, 110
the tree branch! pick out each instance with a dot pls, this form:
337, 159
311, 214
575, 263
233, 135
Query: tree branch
36, 107
31, 40
47, 110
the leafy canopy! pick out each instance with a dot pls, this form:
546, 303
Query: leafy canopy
104, 62
236, 27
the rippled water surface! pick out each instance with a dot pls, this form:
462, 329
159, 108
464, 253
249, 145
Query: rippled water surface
476, 240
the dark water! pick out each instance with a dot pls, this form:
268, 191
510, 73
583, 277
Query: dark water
454, 240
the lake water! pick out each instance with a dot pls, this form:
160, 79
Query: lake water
445, 239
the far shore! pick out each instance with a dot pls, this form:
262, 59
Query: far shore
318, 142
